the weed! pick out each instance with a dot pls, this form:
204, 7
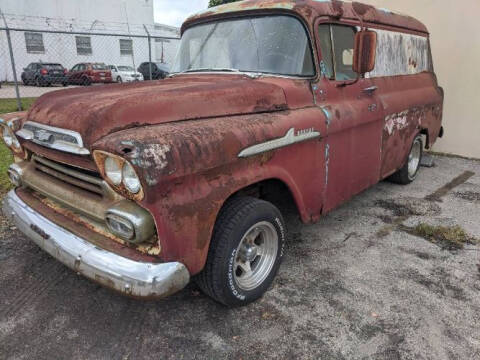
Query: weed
447, 237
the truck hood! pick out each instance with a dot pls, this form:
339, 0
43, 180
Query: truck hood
101, 110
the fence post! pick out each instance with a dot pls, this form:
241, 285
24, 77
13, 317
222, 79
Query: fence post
149, 52
12, 61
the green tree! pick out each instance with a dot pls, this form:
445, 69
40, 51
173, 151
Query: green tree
219, 2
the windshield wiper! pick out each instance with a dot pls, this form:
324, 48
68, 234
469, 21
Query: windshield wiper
212, 69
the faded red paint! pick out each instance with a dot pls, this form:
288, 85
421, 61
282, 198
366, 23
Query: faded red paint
183, 135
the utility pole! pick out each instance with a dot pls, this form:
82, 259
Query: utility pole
149, 52
12, 61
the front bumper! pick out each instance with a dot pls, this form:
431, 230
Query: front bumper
132, 79
137, 279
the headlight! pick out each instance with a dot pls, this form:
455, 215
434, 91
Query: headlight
113, 170
9, 138
130, 178
119, 173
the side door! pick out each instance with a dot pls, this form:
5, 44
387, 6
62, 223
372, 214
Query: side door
28, 73
354, 117
35, 71
73, 74
113, 70
155, 72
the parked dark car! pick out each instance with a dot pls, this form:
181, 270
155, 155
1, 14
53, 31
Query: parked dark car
44, 74
89, 73
159, 70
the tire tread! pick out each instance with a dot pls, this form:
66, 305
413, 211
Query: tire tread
233, 212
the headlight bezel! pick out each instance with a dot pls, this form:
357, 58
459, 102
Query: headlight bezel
101, 157
14, 145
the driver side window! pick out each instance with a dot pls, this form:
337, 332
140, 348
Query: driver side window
336, 45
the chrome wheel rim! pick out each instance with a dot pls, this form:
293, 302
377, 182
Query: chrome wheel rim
255, 256
414, 159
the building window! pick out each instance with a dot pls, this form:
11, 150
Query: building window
34, 42
126, 47
84, 45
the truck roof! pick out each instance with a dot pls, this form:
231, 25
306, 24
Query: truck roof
311, 9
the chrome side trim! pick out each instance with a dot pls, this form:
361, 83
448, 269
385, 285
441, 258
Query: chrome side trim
290, 138
43, 135
133, 278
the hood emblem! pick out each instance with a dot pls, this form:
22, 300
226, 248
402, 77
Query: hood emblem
53, 137
292, 137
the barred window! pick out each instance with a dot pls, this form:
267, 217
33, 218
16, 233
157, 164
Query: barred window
84, 45
34, 42
126, 47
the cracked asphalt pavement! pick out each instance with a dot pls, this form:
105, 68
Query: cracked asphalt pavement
355, 285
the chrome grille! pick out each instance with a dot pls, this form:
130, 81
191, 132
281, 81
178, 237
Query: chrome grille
84, 179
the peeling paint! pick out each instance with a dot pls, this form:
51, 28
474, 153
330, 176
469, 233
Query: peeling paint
396, 122
400, 54
153, 155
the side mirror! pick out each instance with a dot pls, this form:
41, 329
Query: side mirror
365, 51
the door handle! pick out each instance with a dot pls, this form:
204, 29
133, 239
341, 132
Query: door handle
370, 89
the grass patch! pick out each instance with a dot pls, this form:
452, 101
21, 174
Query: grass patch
447, 237
6, 158
10, 105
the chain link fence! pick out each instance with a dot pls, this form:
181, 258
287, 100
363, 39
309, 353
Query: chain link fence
33, 62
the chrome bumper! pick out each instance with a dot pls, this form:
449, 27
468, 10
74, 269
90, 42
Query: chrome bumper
138, 279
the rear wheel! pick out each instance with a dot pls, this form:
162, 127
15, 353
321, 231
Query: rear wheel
408, 173
38, 82
245, 252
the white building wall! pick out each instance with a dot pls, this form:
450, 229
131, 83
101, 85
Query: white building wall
91, 16
103, 11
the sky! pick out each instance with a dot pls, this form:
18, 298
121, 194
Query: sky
174, 12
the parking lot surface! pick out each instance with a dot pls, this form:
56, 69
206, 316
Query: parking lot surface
357, 285
8, 91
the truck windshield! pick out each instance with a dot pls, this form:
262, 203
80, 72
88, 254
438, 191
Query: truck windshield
267, 44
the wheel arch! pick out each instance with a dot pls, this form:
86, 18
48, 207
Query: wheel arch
425, 132
274, 190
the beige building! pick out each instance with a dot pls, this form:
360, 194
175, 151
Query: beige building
455, 39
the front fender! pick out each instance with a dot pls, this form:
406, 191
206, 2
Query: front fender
189, 169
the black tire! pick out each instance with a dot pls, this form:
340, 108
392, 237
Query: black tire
119, 79
404, 176
239, 217
38, 82
24, 81
86, 81
65, 84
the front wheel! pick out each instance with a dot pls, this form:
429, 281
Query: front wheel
86, 81
245, 252
408, 173
119, 80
